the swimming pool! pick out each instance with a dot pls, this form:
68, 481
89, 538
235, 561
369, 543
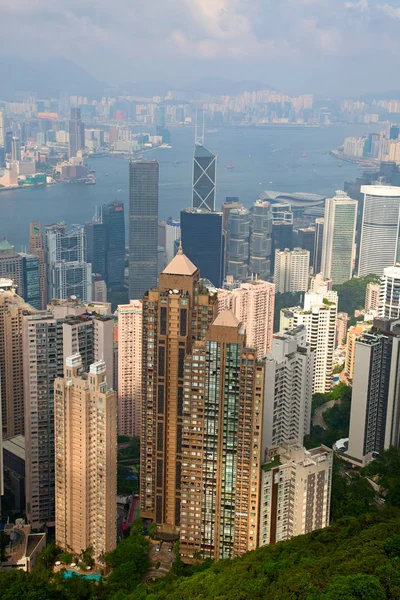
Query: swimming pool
95, 576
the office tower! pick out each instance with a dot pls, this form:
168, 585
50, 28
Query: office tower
2, 128
260, 240
11, 266
341, 328
175, 314
221, 451
204, 178
203, 242
319, 239
353, 334
375, 409
31, 279
15, 149
162, 239
42, 363
86, 459
380, 229
96, 246
68, 273
339, 238
76, 131
253, 304
372, 294
389, 293
289, 370
282, 229
295, 491
238, 245
172, 233
143, 227
129, 368
12, 310
292, 268
306, 240
114, 226
36, 247
319, 317
99, 289
226, 208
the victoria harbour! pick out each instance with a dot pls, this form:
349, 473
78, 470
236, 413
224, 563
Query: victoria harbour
283, 158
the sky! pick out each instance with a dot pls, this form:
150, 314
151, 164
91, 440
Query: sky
342, 47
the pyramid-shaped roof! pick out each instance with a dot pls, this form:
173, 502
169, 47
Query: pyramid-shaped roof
5, 245
180, 265
226, 318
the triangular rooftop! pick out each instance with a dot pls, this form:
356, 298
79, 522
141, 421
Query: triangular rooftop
226, 318
180, 265
202, 152
5, 245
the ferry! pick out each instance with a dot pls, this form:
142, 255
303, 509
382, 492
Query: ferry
230, 166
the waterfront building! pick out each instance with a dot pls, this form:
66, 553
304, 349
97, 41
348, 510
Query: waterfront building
36, 247
338, 247
76, 130
379, 229
129, 368
221, 452
15, 149
253, 304
289, 371
204, 178
86, 460
143, 226
292, 269
295, 491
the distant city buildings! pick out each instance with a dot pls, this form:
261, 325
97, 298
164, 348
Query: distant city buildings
76, 131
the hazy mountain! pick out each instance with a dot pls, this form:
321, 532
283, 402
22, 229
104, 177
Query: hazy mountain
217, 86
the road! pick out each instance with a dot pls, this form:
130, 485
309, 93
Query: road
318, 418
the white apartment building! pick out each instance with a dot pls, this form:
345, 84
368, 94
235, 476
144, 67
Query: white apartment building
389, 293
292, 268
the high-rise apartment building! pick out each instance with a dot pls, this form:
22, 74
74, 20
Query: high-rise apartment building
389, 293
295, 491
204, 178
12, 310
68, 273
231, 203
338, 246
36, 247
253, 304
341, 328
143, 227
11, 266
379, 229
375, 407
238, 244
76, 130
319, 317
353, 334
129, 368
260, 240
114, 228
221, 444
372, 294
203, 242
289, 371
319, 239
175, 314
292, 270
86, 459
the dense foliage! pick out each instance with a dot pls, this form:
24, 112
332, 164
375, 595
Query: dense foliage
351, 294
337, 418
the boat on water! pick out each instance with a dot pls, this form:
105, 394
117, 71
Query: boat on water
304, 155
340, 164
230, 166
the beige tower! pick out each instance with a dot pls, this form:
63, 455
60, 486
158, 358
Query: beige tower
36, 247
221, 440
129, 368
12, 310
175, 315
86, 459
253, 304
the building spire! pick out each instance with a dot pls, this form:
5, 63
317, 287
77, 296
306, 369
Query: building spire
180, 249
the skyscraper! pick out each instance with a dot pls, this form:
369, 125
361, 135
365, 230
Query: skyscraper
238, 244
2, 128
338, 247
353, 334
96, 246
172, 233
11, 266
175, 314
292, 269
289, 371
253, 304
260, 240
319, 238
221, 444
86, 459
143, 227
76, 131
203, 242
296, 491
389, 293
204, 178
306, 240
36, 247
319, 317
15, 149
31, 279
114, 228
129, 368
375, 407
380, 229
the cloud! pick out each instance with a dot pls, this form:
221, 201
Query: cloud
390, 10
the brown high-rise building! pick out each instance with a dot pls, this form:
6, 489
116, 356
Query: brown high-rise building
221, 441
86, 459
36, 247
175, 315
12, 310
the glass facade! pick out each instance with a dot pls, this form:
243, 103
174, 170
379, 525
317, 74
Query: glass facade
114, 226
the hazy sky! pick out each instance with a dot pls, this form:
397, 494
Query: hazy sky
295, 45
